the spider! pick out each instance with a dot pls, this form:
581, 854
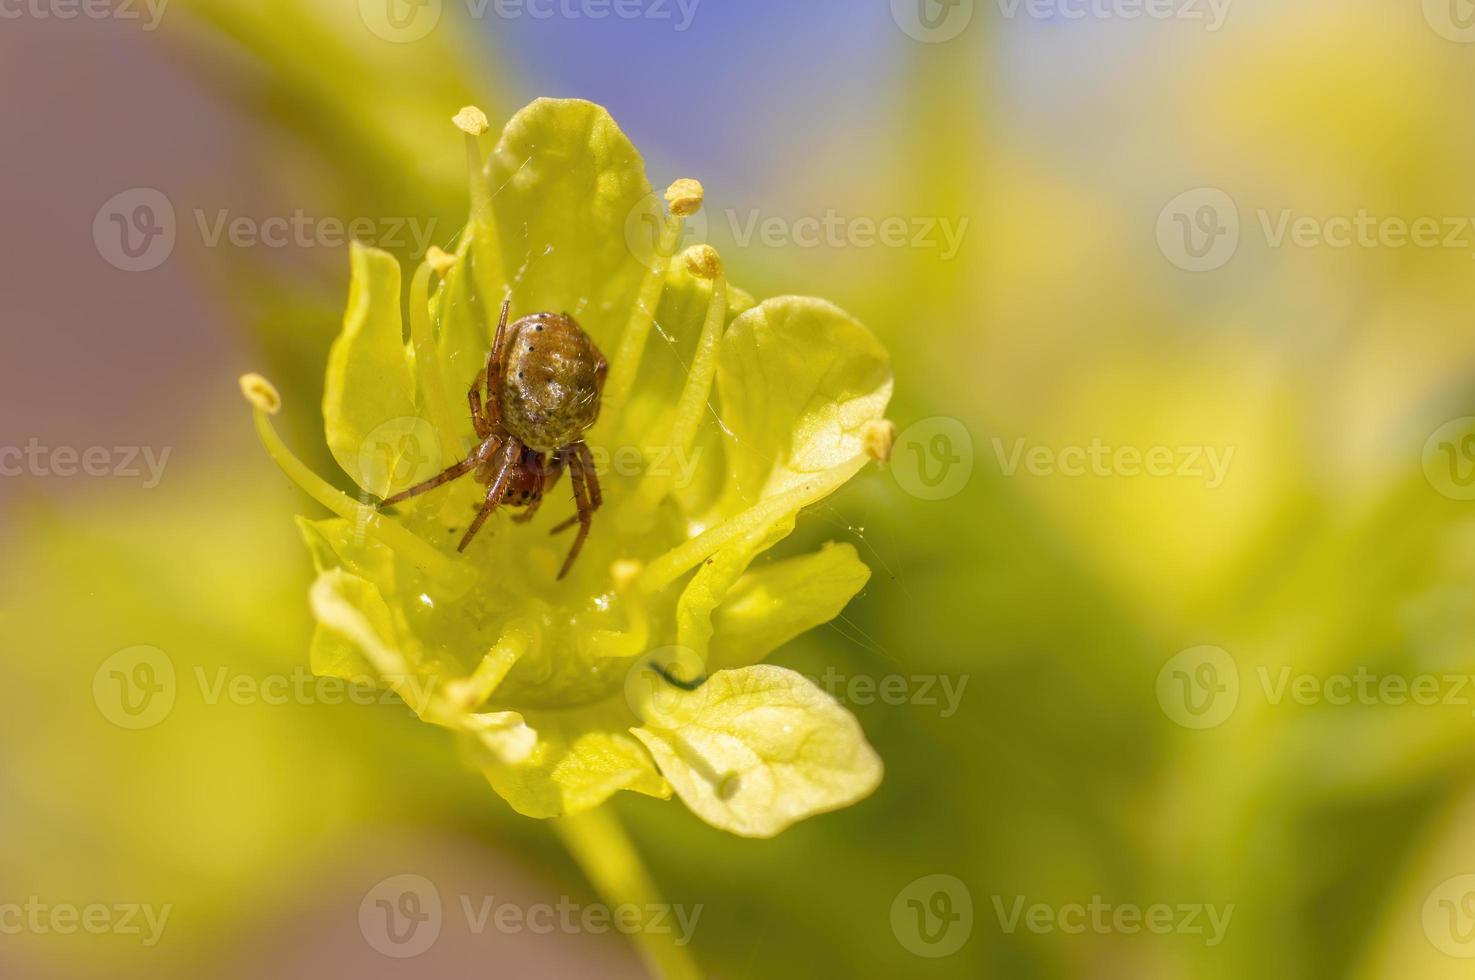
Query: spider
543, 380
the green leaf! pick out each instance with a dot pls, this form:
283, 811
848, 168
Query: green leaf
564, 180
583, 756
772, 605
798, 379
370, 384
760, 749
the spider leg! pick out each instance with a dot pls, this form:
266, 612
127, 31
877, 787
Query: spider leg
578, 476
478, 418
446, 476
504, 462
493, 375
591, 478
551, 474
591, 483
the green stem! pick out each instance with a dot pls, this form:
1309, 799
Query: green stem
604, 852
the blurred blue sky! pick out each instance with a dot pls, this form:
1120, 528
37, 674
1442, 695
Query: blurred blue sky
772, 67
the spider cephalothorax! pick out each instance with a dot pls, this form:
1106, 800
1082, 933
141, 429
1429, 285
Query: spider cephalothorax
543, 380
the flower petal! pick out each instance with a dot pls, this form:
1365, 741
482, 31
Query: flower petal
356, 639
582, 757
761, 749
770, 606
713, 580
505, 735
798, 379
564, 180
370, 380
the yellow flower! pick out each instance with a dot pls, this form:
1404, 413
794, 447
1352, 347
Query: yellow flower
639, 671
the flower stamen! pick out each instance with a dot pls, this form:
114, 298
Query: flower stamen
482, 228
686, 556
429, 378
685, 199
265, 402
469, 693
703, 262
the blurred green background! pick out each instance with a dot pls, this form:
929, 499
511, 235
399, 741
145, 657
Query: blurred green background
1181, 511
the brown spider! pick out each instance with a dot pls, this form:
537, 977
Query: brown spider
543, 380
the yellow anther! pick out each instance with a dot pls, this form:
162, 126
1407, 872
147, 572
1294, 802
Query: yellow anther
685, 197
261, 393
879, 436
703, 262
471, 120
440, 260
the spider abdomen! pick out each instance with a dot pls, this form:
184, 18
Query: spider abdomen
551, 379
